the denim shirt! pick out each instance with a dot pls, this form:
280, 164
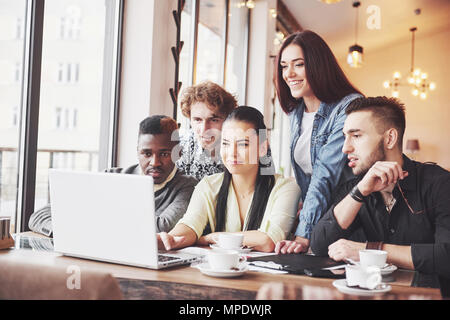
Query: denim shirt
327, 159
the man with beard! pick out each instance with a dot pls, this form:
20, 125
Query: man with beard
400, 205
158, 136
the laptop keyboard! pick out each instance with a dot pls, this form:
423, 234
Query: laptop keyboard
164, 258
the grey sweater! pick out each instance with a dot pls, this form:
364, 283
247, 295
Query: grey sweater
171, 203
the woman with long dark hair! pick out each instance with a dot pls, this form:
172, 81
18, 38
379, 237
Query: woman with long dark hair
314, 92
246, 198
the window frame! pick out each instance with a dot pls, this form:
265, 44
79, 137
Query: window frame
224, 46
30, 103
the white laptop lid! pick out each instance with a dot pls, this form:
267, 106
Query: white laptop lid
104, 216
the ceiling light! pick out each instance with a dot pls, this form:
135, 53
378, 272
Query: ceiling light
417, 79
250, 4
355, 54
273, 13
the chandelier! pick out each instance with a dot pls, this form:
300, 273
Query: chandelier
417, 80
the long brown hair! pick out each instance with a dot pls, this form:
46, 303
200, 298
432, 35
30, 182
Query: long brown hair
264, 182
326, 78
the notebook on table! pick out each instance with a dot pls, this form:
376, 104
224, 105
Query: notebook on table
295, 263
108, 217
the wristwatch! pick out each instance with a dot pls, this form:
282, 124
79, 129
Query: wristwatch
374, 245
356, 194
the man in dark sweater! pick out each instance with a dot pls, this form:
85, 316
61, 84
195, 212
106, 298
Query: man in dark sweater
400, 205
156, 140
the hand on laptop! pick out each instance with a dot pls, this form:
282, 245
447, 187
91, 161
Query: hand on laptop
168, 242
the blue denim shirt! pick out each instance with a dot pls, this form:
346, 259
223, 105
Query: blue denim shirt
327, 159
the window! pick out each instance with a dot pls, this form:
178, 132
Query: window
19, 30
58, 114
187, 55
70, 23
65, 118
74, 119
15, 116
12, 20
210, 53
236, 60
70, 148
33, 104
210, 45
17, 72
68, 72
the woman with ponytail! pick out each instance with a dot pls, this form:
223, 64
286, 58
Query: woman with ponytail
246, 198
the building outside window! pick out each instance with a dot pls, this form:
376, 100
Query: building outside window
19, 30
17, 72
211, 53
68, 72
15, 116
74, 110
70, 23
85, 96
12, 26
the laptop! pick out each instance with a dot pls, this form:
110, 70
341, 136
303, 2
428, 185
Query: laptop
108, 217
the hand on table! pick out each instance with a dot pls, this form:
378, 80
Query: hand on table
345, 249
300, 244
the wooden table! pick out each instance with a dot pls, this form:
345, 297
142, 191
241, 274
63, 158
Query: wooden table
185, 282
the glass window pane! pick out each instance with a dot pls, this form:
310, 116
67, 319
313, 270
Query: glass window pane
235, 76
12, 30
186, 65
76, 35
209, 65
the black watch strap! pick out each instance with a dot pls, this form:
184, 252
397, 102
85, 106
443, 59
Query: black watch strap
356, 194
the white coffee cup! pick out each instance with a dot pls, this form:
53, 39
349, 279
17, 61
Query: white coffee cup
230, 240
364, 277
372, 258
224, 259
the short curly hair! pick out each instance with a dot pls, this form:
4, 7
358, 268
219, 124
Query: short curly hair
210, 93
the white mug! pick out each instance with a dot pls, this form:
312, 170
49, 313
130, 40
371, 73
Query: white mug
364, 277
224, 259
230, 240
375, 258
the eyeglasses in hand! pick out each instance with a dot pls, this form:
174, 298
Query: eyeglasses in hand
409, 206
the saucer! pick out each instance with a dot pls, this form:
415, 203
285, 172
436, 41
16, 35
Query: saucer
240, 249
341, 285
206, 269
388, 269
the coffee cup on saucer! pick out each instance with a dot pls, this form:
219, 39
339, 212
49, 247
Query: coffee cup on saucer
375, 258
363, 277
224, 259
232, 241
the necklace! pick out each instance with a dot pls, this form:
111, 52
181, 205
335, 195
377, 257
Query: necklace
389, 203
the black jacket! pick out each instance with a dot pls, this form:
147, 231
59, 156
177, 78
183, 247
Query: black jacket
427, 230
